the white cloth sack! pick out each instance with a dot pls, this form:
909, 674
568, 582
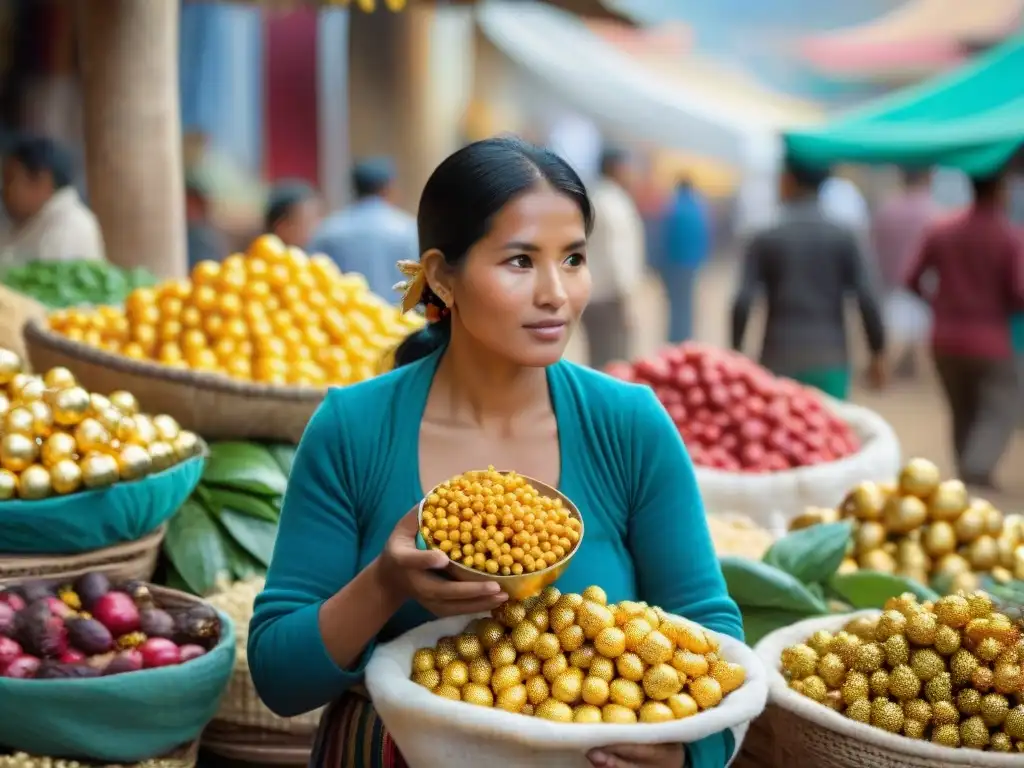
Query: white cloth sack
908, 319
773, 500
769, 651
431, 731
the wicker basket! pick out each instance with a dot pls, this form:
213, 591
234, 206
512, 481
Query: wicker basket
759, 748
214, 406
241, 708
252, 745
811, 734
185, 757
132, 560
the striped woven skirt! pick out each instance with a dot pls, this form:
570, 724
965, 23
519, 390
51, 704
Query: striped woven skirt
352, 735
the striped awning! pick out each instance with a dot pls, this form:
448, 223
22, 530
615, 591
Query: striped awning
919, 38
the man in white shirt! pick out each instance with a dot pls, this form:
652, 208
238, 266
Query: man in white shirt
50, 221
615, 255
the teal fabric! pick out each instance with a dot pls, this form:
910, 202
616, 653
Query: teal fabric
1017, 333
971, 120
356, 473
80, 522
122, 718
834, 382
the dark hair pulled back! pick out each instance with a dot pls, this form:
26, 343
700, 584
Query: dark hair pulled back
461, 198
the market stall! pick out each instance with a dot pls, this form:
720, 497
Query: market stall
971, 120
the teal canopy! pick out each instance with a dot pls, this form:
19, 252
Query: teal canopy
971, 119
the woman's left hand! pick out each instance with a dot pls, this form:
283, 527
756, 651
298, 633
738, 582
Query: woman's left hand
638, 756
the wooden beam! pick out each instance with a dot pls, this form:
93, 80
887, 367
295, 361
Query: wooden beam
132, 121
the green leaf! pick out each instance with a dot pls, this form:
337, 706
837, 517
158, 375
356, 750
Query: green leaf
870, 589
812, 554
173, 579
244, 467
254, 536
753, 584
759, 622
194, 544
243, 565
245, 503
284, 455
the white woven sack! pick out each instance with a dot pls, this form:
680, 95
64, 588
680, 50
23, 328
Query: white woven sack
431, 731
773, 500
769, 651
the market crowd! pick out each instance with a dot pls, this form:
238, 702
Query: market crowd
914, 270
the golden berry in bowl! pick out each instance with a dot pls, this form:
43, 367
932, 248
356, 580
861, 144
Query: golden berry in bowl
502, 527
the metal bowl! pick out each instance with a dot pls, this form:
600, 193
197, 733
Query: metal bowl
528, 584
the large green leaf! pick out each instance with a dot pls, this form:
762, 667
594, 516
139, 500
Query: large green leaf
246, 503
758, 622
243, 565
812, 554
173, 579
753, 584
254, 536
245, 467
284, 455
870, 589
195, 546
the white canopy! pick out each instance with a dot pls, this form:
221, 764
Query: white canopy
631, 98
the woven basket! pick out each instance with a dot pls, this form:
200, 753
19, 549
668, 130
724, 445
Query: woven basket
252, 745
122, 562
759, 749
811, 734
186, 757
214, 406
241, 708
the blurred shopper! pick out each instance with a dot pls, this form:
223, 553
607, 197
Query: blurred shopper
842, 202
292, 212
205, 242
615, 255
978, 261
372, 234
806, 265
897, 231
49, 221
687, 236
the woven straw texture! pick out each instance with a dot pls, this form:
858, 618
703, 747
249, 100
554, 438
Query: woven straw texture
185, 757
122, 562
15, 311
242, 708
811, 734
214, 406
253, 745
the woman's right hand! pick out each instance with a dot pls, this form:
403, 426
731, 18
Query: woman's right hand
412, 573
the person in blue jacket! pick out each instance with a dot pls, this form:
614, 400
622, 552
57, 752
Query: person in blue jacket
503, 276
687, 231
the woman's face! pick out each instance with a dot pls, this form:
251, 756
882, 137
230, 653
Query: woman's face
522, 288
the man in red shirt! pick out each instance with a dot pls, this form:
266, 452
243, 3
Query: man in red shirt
978, 261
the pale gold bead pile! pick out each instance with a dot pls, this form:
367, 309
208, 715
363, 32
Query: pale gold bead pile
573, 658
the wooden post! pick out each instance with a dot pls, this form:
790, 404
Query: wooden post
132, 122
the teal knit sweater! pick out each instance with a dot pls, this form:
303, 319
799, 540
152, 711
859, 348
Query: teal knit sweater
356, 474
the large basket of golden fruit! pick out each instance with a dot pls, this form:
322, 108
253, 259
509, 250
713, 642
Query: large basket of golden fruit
918, 685
559, 674
504, 527
242, 349
81, 471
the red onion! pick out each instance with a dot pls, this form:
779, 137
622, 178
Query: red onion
9, 651
22, 667
117, 612
159, 652
72, 656
125, 661
12, 599
59, 608
191, 651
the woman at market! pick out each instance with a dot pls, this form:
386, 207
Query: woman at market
503, 276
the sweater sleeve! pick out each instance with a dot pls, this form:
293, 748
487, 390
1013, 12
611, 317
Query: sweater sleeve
676, 564
315, 555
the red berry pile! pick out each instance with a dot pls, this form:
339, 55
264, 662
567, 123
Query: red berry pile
737, 417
